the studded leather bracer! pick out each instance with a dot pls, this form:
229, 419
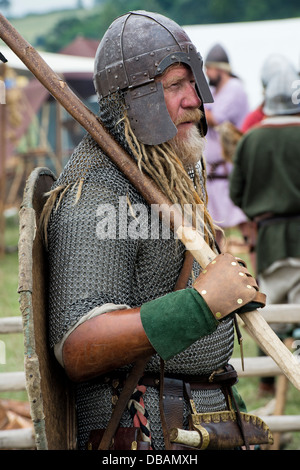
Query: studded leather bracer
226, 286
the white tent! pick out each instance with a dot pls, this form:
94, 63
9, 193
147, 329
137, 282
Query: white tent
248, 45
59, 63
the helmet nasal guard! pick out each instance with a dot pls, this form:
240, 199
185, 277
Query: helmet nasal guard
136, 48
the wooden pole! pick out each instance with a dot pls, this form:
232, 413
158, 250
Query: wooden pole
255, 323
58, 130
3, 118
258, 327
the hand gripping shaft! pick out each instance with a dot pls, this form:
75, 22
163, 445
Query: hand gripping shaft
226, 285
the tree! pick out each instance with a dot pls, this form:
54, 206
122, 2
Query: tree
184, 12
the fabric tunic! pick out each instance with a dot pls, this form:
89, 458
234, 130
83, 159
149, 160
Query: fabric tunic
230, 104
265, 179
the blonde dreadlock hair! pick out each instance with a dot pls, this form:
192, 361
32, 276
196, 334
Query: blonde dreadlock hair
169, 173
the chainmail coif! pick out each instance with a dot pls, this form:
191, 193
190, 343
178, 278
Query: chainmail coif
87, 271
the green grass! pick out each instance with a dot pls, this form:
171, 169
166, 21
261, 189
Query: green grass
9, 306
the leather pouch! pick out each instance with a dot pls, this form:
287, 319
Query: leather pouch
220, 431
124, 439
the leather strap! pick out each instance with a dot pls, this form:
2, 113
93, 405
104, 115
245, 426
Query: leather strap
170, 405
121, 404
185, 272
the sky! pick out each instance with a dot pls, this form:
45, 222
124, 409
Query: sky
23, 7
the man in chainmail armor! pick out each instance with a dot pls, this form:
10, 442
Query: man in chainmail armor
113, 299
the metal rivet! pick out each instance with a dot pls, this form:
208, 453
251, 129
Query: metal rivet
218, 314
203, 292
114, 399
239, 301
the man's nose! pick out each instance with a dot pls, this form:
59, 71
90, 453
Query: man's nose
191, 98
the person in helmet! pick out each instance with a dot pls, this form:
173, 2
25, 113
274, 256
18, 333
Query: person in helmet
230, 105
273, 64
265, 184
118, 292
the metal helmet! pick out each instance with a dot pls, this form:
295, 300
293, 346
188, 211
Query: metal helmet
273, 64
136, 48
280, 96
217, 57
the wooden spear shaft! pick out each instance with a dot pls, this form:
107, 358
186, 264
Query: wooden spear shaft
58, 88
255, 323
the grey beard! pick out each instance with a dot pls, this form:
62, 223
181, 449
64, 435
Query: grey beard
189, 150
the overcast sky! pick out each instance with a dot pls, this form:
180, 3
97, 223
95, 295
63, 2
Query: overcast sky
22, 7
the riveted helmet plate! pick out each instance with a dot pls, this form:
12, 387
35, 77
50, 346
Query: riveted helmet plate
136, 48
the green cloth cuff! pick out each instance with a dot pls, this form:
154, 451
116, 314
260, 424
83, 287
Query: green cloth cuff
175, 321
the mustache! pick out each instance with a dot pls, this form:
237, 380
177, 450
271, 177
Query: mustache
192, 115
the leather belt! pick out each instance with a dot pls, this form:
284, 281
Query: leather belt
269, 218
227, 375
